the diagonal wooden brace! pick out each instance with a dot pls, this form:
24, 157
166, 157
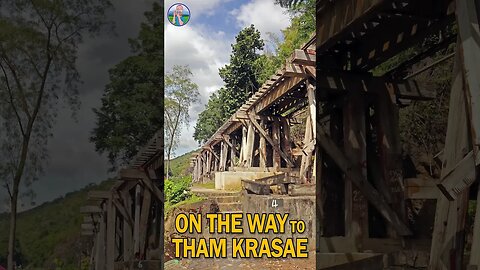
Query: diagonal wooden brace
270, 140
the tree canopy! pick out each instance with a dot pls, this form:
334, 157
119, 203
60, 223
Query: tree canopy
131, 110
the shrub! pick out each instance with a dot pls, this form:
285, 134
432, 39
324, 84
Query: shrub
175, 189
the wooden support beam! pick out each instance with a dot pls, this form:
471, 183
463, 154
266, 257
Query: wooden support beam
389, 150
100, 245
301, 57
306, 155
147, 182
111, 231
263, 147
136, 225
274, 144
449, 228
355, 145
354, 174
250, 144
127, 229
283, 87
226, 139
468, 19
285, 137
144, 218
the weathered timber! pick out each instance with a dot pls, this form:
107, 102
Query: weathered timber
256, 187
274, 144
354, 174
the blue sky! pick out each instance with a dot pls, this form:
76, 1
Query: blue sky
205, 44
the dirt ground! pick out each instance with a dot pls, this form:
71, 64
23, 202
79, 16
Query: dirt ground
257, 264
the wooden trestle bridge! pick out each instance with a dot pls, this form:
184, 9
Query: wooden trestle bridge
258, 134
365, 197
127, 221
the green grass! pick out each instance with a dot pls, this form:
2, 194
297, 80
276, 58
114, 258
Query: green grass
210, 185
180, 166
192, 199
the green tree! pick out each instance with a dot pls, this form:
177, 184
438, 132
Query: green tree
180, 93
131, 110
210, 119
38, 49
241, 75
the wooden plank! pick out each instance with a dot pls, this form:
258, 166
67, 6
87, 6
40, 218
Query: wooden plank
132, 174
475, 260
277, 178
301, 57
306, 156
263, 147
459, 178
271, 141
100, 245
111, 230
469, 33
147, 182
136, 225
255, 187
448, 232
250, 144
354, 174
285, 137
144, 217
127, 229
337, 19
355, 147
421, 189
389, 150
272, 96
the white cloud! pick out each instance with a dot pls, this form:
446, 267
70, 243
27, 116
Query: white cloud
204, 52
264, 14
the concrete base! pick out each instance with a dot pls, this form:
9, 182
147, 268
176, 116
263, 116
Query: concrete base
233, 180
298, 208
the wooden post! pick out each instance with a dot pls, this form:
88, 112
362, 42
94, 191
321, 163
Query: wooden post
249, 146
312, 104
449, 229
100, 242
263, 148
390, 152
136, 224
127, 228
111, 226
286, 141
356, 206
276, 139
307, 151
209, 163
243, 150
144, 217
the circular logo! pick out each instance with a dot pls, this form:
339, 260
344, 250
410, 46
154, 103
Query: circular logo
178, 14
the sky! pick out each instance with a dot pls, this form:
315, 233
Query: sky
204, 44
